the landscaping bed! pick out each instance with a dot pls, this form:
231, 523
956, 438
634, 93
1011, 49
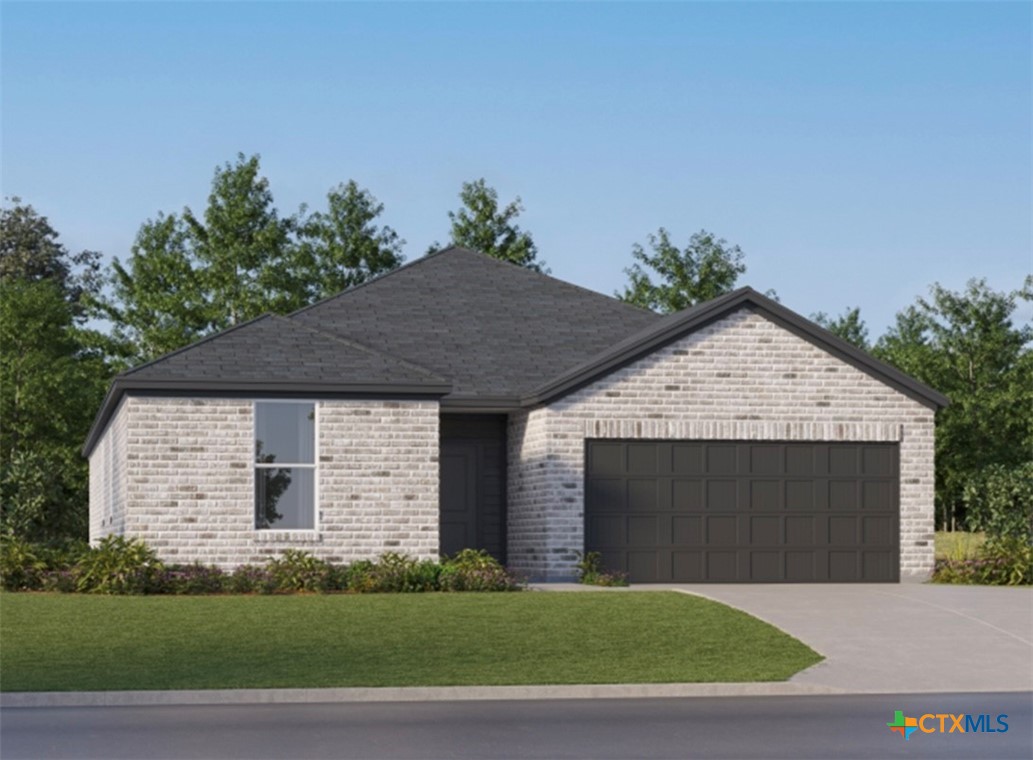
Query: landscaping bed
77, 642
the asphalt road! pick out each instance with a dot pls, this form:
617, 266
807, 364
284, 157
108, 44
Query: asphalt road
729, 727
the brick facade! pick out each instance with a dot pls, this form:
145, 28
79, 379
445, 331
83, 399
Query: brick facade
178, 473
741, 378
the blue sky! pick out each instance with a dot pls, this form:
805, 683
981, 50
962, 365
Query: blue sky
857, 152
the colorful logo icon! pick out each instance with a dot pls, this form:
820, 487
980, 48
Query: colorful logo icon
903, 726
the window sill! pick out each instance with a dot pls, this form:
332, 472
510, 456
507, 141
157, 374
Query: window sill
288, 536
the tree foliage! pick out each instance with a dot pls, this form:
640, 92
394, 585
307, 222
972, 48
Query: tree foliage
849, 326
482, 226
706, 268
966, 345
52, 377
190, 275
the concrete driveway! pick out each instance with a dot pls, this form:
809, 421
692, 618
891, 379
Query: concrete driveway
899, 638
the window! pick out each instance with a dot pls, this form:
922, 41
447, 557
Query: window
285, 465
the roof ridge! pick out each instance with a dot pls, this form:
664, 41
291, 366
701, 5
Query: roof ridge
360, 346
194, 344
371, 280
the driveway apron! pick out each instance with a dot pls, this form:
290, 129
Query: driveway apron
899, 637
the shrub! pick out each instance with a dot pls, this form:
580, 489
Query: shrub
118, 566
1000, 502
475, 570
1004, 562
392, 572
58, 580
21, 566
190, 579
590, 572
300, 571
250, 579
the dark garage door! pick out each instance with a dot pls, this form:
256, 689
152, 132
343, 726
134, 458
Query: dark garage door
745, 512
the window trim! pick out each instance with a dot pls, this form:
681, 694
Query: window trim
313, 465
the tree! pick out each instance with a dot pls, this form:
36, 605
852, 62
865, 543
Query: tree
706, 268
343, 247
966, 345
849, 326
482, 226
52, 377
30, 252
191, 275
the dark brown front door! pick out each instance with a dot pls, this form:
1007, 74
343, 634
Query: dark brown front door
738, 511
472, 485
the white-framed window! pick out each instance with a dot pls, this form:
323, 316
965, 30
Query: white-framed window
285, 465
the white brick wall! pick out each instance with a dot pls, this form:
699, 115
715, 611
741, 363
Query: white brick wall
187, 481
743, 377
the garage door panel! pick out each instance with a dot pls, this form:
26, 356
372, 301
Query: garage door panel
800, 530
606, 495
764, 495
697, 511
687, 459
687, 495
765, 531
643, 495
721, 495
878, 495
799, 495
687, 566
644, 531
687, 530
643, 459
764, 566
843, 495
799, 567
721, 459
765, 460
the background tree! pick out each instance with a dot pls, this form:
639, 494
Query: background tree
706, 268
849, 326
191, 275
52, 378
482, 226
966, 345
343, 246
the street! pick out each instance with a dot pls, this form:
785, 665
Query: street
740, 727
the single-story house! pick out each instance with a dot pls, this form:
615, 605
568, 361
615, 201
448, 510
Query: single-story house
460, 401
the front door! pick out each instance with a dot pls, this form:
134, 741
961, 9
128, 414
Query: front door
458, 496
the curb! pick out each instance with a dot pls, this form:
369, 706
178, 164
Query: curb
405, 694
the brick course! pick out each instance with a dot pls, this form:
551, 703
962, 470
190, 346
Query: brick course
741, 378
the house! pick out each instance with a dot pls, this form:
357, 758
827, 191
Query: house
460, 401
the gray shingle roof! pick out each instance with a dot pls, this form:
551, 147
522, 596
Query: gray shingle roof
492, 328
273, 350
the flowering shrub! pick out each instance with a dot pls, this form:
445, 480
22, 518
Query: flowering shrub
128, 566
1005, 562
590, 572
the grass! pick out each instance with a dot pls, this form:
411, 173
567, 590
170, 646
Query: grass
53, 642
958, 544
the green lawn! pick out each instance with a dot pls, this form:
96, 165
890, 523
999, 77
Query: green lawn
80, 642
958, 544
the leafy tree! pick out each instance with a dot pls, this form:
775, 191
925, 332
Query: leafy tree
849, 326
343, 246
966, 345
706, 268
50, 387
482, 226
30, 251
190, 275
